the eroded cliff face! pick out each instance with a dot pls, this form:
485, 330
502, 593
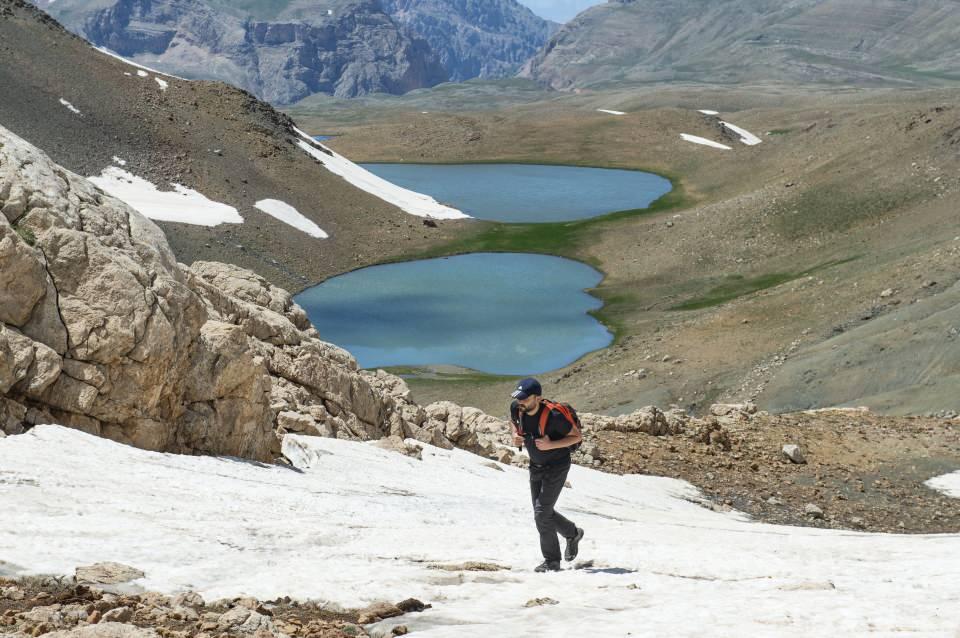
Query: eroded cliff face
285, 51
475, 38
352, 49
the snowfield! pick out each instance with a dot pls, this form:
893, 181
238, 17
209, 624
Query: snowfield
704, 141
291, 216
352, 523
182, 204
407, 200
612, 112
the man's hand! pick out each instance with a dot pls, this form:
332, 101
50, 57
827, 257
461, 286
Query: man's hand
544, 444
517, 440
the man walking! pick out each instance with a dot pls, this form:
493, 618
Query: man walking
547, 434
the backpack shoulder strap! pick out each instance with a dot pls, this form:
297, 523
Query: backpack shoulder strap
559, 407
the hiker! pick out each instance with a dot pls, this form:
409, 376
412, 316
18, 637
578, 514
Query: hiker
548, 430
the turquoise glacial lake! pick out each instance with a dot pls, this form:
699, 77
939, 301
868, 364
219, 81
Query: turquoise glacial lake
499, 313
528, 192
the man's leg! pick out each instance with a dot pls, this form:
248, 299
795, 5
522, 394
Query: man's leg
545, 487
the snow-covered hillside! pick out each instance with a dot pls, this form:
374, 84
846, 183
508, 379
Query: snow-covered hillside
353, 523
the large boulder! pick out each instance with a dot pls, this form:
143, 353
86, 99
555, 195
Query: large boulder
101, 329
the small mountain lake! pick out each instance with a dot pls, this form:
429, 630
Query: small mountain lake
494, 312
528, 192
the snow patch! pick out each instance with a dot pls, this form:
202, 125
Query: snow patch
353, 523
182, 204
746, 136
163, 83
70, 107
118, 161
143, 74
702, 140
708, 112
114, 54
949, 484
290, 215
611, 112
407, 200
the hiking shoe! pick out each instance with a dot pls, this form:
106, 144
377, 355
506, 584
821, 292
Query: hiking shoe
548, 566
573, 544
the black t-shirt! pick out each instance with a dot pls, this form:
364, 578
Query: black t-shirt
557, 428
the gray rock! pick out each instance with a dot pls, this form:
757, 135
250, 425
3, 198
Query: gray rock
105, 630
118, 614
792, 452
813, 511
107, 573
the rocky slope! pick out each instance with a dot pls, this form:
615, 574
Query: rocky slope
283, 52
753, 41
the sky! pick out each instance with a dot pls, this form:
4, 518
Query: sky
558, 10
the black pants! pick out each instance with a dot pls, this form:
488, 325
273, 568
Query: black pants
546, 481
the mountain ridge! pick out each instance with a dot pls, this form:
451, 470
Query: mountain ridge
735, 41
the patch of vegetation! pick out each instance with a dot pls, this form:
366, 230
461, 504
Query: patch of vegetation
780, 131
738, 286
26, 235
616, 306
838, 207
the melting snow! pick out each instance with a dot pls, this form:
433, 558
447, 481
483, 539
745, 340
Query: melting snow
71, 107
290, 215
117, 160
702, 140
116, 55
163, 83
407, 200
949, 484
746, 136
709, 112
143, 74
182, 204
352, 523
611, 112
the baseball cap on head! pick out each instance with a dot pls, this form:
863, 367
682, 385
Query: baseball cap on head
527, 387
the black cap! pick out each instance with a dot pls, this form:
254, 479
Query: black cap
527, 387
